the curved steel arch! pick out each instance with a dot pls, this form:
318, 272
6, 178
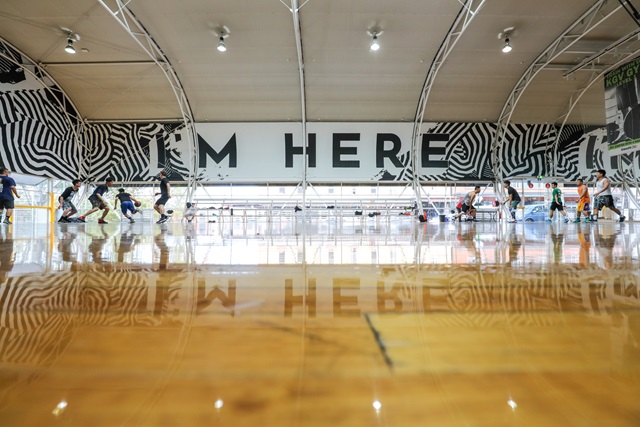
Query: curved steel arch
75, 121
460, 24
632, 188
594, 16
127, 19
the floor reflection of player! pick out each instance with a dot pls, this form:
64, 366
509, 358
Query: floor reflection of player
65, 242
514, 247
584, 238
605, 239
557, 239
96, 247
466, 237
159, 240
127, 242
6, 252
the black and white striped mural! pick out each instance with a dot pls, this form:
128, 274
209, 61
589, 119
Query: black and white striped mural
37, 137
134, 151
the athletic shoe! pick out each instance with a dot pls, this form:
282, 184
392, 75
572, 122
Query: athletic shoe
7, 221
566, 220
82, 219
587, 220
512, 220
102, 221
162, 220
593, 220
548, 220
63, 219
622, 218
577, 220
132, 220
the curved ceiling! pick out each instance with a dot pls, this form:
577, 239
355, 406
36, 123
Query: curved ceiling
257, 78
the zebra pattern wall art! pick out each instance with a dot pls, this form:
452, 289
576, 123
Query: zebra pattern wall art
134, 151
37, 137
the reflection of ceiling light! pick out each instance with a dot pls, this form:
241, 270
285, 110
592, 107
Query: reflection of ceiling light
374, 43
59, 409
70, 48
507, 47
219, 404
377, 405
221, 46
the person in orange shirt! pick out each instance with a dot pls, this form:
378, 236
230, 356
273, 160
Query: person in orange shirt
583, 202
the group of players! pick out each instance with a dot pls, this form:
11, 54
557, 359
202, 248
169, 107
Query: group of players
128, 203
602, 198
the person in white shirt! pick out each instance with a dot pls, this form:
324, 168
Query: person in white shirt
603, 196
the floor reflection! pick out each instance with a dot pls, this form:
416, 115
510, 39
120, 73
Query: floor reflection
139, 324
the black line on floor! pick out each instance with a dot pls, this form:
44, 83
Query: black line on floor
378, 338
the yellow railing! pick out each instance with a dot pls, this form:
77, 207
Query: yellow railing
50, 208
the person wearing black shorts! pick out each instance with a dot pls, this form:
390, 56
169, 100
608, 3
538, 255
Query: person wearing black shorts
603, 196
556, 203
65, 203
7, 193
467, 205
98, 202
513, 200
165, 195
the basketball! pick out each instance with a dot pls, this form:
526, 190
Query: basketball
137, 204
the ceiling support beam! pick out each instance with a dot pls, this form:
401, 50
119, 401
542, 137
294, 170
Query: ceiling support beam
628, 163
631, 10
613, 48
67, 64
295, 11
125, 17
596, 76
599, 12
469, 10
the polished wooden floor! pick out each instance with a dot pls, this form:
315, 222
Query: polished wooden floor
360, 322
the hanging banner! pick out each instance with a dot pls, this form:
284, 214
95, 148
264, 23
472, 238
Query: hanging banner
622, 108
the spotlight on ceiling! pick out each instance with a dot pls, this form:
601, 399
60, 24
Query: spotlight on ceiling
69, 48
374, 43
221, 46
507, 47
374, 32
506, 34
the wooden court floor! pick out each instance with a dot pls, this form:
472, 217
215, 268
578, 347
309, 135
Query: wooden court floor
370, 322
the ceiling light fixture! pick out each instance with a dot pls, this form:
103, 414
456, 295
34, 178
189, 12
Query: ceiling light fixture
374, 43
221, 46
506, 34
69, 48
374, 32
507, 47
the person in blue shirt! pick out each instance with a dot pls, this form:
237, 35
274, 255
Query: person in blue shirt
98, 202
7, 193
